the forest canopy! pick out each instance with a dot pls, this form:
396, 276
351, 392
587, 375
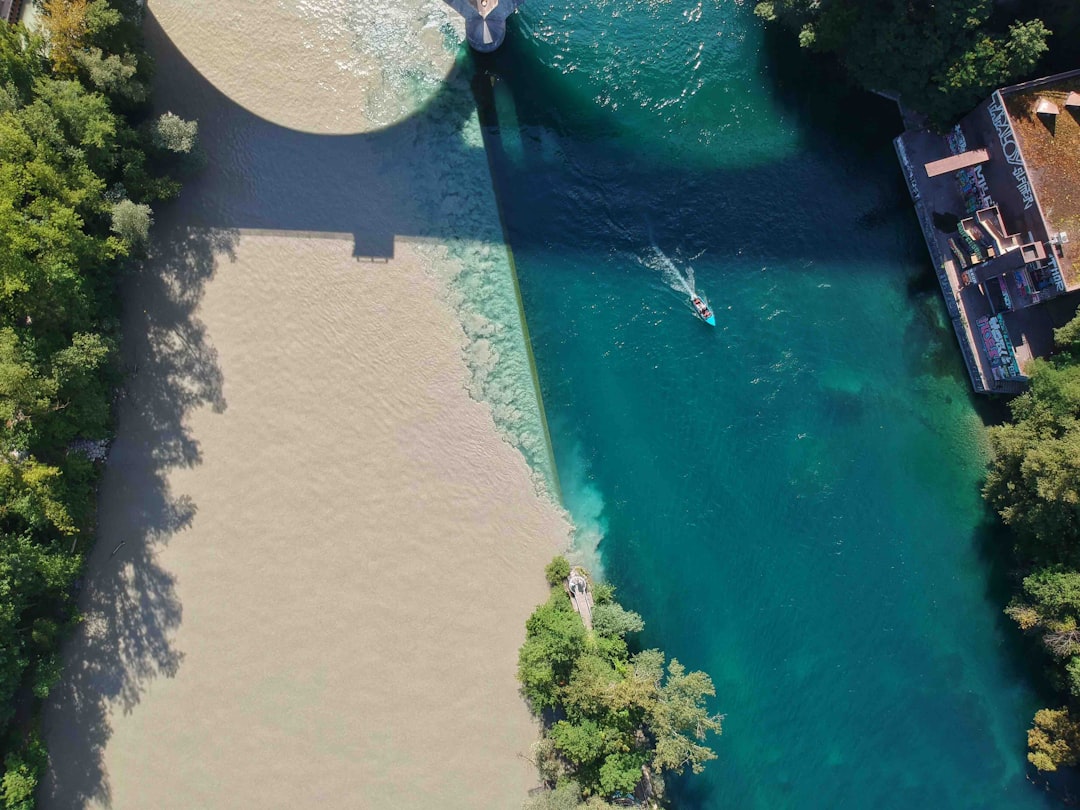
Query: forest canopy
940, 57
1034, 484
82, 162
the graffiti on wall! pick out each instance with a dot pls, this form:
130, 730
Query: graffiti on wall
1011, 149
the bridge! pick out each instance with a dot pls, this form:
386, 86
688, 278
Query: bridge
485, 21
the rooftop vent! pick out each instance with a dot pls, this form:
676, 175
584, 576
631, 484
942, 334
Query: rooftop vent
1046, 107
1033, 252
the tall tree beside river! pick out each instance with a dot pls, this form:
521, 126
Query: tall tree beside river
1034, 484
80, 164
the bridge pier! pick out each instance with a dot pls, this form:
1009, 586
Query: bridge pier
485, 21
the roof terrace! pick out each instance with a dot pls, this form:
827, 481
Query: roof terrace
1050, 144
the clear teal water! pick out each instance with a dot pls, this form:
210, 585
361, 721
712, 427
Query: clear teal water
790, 499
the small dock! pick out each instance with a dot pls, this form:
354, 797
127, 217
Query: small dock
580, 595
485, 21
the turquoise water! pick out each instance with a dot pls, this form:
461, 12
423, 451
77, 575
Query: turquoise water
790, 499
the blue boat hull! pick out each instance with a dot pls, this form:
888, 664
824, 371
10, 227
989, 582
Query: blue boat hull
703, 311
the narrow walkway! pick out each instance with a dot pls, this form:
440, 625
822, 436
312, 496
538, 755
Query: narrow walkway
580, 596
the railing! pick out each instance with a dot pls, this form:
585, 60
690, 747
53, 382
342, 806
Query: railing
951, 305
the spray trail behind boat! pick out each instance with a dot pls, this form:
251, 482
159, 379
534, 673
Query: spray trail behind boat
680, 280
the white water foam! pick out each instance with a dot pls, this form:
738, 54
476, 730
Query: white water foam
408, 50
402, 44
585, 503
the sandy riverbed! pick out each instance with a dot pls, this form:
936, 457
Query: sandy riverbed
316, 552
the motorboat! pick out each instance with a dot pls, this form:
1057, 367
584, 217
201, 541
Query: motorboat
703, 311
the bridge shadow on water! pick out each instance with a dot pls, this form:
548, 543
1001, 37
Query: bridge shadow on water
821, 201
270, 178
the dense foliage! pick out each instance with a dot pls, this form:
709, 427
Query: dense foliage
80, 163
613, 716
941, 57
1034, 484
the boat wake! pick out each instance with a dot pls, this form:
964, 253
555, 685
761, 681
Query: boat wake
680, 280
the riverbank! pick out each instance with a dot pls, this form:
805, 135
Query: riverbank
316, 549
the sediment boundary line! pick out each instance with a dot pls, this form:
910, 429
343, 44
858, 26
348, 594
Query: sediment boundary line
558, 494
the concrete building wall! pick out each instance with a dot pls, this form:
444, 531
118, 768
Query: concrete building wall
988, 126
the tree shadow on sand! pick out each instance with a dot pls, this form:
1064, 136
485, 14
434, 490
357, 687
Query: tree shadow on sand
128, 600
264, 178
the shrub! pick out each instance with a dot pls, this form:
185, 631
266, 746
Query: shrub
173, 134
132, 221
557, 570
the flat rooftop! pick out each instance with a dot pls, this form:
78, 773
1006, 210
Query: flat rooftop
954, 162
1050, 144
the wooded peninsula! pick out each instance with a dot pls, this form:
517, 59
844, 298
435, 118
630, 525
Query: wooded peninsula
614, 722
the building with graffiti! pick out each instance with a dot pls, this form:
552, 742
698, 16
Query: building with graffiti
998, 197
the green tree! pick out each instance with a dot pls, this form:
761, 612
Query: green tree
1033, 480
34, 499
68, 103
1050, 604
591, 687
84, 118
614, 620
681, 721
994, 61
1054, 740
22, 772
114, 74
26, 395
941, 57
172, 133
603, 593
621, 772
581, 743
557, 570
82, 376
21, 61
554, 638
1067, 341
617, 712
132, 221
